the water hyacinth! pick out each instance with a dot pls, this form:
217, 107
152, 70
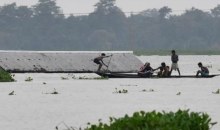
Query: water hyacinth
6, 77
181, 120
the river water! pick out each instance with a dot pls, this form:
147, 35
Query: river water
83, 101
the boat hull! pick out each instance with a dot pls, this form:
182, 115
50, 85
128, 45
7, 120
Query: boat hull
120, 75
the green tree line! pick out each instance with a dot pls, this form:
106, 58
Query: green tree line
44, 27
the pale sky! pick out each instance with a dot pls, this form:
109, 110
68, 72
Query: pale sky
86, 6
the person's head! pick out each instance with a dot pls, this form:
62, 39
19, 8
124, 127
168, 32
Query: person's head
103, 54
173, 51
163, 64
200, 64
147, 64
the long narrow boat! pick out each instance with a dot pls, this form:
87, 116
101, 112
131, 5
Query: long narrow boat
120, 75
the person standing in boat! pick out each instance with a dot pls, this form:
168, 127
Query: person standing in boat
99, 61
174, 59
204, 70
146, 70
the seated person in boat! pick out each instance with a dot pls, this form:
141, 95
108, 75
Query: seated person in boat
164, 70
145, 70
99, 61
204, 70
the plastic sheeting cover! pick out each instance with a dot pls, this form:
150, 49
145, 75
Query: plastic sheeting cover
65, 62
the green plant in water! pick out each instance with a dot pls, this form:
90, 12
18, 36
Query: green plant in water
11, 93
217, 92
84, 77
6, 77
151, 90
120, 91
179, 93
64, 78
180, 120
94, 78
28, 79
44, 83
144, 90
54, 92
101, 78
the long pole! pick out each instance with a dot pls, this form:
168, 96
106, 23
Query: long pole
109, 63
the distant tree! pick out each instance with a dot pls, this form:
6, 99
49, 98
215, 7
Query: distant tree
24, 11
153, 13
44, 27
216, 11
107, 16
47, 7
164, 12
105, 6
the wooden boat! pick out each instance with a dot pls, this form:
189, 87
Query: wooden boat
120, 75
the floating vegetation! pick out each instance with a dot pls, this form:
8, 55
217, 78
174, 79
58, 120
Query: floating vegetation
44, 83
64, 78
120, 91
11, 93
217, 92
151, 90
144, 90
180, 120
88, 78
179, 93
29, 79
6, 77
101, 78
54, 92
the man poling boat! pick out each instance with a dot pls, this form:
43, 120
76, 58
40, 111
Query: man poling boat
99, 60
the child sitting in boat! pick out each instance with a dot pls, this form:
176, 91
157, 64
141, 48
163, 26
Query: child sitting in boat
99, 61
204, 70
164, 70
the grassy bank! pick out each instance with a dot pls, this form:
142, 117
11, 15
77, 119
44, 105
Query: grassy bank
179, 52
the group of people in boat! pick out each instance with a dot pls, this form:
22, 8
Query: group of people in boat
164, 71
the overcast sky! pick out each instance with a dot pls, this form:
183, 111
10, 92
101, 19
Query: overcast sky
86, 6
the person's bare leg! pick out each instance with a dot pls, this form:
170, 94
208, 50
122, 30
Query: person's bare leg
171, 72
198, 73
178, 71
100, 66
